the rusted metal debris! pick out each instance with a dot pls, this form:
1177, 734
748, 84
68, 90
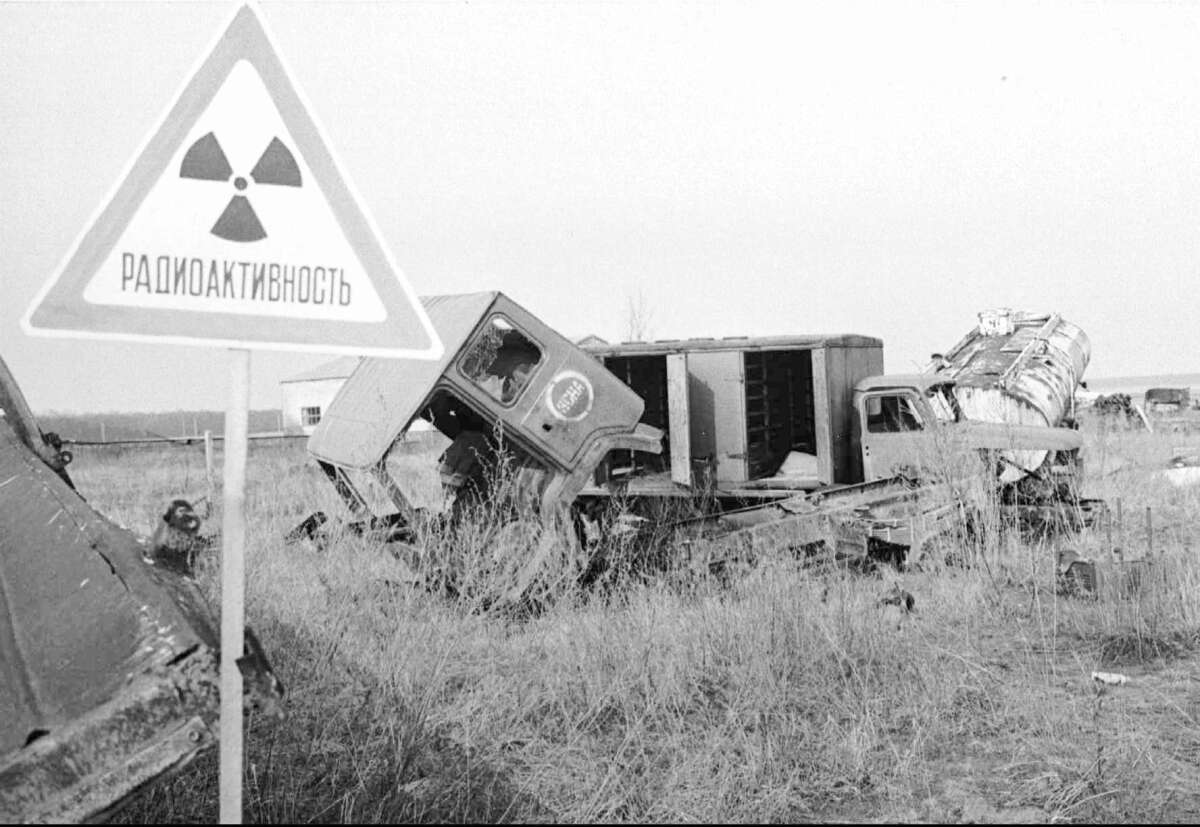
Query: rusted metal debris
898, 597
1177, 399
108, 663
1078, 576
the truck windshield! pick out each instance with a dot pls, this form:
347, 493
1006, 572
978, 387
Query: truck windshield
501, 360
892, 413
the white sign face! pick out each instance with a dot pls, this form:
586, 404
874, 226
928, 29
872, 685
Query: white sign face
235, 227
242, 228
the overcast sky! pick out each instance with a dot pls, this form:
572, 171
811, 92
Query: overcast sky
734, 168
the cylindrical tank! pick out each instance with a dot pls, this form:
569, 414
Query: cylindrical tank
1018, 368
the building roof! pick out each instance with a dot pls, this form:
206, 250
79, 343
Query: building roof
590, 340
339, 368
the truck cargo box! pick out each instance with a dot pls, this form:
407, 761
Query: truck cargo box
739, 411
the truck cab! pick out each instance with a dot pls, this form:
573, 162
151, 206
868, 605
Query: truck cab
913, 425
896, 417
508, 390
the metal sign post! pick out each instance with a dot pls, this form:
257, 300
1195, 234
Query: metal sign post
233, 583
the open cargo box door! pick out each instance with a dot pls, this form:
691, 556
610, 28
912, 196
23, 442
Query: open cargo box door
679, 413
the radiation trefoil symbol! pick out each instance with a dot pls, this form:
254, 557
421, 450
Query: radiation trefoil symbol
206, 161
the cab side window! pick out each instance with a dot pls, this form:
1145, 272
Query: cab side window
501, 360
892, 413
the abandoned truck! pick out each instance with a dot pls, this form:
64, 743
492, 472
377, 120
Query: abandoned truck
761, 418
108, 665
505, 377
726, 426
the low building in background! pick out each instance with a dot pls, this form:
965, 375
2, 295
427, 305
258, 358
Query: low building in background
306, 396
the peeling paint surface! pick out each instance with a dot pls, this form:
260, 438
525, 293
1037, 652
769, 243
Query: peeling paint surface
108, 666
1018, 368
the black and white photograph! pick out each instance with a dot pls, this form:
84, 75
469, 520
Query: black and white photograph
598, 411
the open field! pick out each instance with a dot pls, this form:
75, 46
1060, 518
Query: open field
784, 695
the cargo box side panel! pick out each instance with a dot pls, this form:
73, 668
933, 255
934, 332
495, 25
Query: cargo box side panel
719, 412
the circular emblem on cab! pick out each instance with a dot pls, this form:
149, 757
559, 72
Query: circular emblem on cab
569, 396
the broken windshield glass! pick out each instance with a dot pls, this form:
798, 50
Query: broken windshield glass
501, 360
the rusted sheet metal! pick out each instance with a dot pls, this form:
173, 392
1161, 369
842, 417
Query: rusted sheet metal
82, 611
107, 665
157, 723
20, 419
922, 382
844, 520
1000, 437
1175, 397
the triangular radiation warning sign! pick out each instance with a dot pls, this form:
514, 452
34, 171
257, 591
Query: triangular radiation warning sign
234, 226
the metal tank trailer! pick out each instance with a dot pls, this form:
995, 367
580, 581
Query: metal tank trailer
1018, 368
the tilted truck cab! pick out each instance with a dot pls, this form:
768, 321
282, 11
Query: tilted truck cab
506, 383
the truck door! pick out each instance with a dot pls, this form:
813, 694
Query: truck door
893, 425
555, 398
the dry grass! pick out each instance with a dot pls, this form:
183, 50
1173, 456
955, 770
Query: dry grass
783, 695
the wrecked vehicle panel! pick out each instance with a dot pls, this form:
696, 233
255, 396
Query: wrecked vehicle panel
505, 377
108, 665
886, 521
1176, 399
